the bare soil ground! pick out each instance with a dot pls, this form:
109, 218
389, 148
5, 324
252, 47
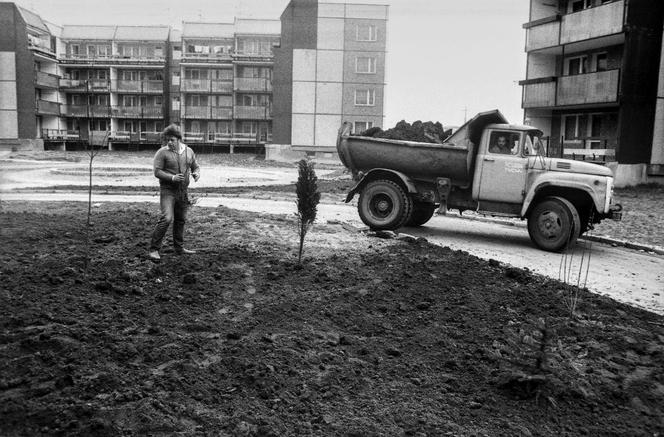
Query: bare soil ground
369, 337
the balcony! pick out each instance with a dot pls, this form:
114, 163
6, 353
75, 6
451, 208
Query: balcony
217, 113
87, 85
543, 34
221, 86
205, 57
583, 89
253, 84
196, 112
253, 112
138, 112
46, 80
603, 20
44, 107
41, 43
71, 58
595, 88
195, 85
139, 86
87, 111
60, 134
539, 95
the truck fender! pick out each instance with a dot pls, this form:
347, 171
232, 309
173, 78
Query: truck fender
382, 173
528, 201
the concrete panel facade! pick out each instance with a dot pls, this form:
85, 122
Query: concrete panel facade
8, 124
328, 98
304, 97
326, 129
331, 10
352, 61
302, 131
330, 66
330, 34
304, 65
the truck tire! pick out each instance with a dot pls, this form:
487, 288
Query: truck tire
384, 205
554, 224
422, 213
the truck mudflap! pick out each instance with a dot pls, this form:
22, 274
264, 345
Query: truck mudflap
615, 213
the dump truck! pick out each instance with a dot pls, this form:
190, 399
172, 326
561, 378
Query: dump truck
487, 166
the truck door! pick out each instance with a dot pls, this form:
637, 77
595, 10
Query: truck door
503, 168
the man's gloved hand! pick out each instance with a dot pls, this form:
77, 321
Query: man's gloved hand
177, 177
196, 176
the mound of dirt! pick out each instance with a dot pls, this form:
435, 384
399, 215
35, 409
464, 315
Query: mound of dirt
425, 132
368, 337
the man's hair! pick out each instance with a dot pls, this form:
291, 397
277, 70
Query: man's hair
172, 130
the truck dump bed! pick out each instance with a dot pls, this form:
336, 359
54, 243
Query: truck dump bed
453, 159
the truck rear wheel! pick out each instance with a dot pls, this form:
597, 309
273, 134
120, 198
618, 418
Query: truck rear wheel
384, 205
554, 224
422, 213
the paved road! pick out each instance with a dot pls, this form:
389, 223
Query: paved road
629, 276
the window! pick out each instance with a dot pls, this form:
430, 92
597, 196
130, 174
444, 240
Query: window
365, 65
103, 51
504, 142
129, 101
579, 5
366, 32
601, 62
175, 103
576, 127
195, 126
157, 101
75, 49
129, 126
577, 65
249, 127
361, 126
365, 97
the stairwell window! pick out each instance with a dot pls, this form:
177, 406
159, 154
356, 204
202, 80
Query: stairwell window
365, 65
366, 32
365, 97
361, 126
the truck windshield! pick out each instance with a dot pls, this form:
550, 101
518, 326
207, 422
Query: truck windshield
533, 144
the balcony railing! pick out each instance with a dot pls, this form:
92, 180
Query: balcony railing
99, 111
205, 57
139, 86
220, 113
598, 87
236, 138
196, 112
253, 84
40, 43
253, 112
603, 20
543, 35
85, 85
44, 107
582, 89
128, 136
116, 58
60, 134
539, 95
138, 112
189, 85
207, 85
46, 80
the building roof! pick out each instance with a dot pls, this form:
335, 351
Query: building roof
33, 20
88, 32
175, 35
141, 33
207, 30
248, 26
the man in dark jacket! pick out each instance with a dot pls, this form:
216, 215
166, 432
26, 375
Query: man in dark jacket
173, 166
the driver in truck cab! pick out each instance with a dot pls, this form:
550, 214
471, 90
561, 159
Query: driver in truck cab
501, 146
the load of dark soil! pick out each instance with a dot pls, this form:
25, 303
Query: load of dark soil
424, 132
369, 337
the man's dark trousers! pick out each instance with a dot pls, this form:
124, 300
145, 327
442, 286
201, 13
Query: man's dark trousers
173, 210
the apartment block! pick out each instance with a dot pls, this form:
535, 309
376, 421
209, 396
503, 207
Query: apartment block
595, 82
235, 83
329, 68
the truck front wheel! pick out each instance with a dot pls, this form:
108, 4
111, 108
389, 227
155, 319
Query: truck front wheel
384, 205
554, 224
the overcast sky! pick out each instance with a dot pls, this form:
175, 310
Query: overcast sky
445, 57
